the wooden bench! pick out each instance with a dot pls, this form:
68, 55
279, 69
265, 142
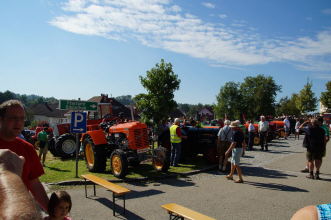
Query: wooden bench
180, 212
118, 191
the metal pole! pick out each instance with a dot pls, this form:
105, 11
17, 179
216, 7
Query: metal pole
132, 115
77, 153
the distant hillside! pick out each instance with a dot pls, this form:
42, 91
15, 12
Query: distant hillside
27, 100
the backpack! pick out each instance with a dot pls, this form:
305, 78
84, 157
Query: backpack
306, 141
314, 140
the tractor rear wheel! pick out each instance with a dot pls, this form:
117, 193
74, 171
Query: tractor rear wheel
211, 155
95, 156
256, 140
66, 146
52, 149
161, 160
119, 163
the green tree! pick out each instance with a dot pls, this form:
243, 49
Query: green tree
326, 96
125, 99
306, 100
185, 108
287, 106
161, 83
258, 95
7, 95
228, 101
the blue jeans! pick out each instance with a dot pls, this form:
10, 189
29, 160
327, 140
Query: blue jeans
176, 149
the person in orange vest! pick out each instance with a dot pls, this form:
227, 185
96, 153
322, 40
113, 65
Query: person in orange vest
176, 140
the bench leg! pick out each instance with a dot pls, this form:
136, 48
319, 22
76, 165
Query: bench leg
113, 204
85, 189
175, 217
94, 189
124, 204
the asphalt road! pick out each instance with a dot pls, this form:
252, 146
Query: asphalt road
274, 188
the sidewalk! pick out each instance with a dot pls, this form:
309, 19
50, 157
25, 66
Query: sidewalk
274, 188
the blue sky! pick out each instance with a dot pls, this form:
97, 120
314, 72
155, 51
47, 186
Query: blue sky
81, 48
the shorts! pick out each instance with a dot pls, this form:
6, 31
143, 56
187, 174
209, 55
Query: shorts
315, 155
236, 154
324, 211
43, 150
286, 129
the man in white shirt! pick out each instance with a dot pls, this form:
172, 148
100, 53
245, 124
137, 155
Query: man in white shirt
223, 144
263, 131
251, 135
286, 127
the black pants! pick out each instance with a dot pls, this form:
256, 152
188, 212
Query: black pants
251, 136
263, 140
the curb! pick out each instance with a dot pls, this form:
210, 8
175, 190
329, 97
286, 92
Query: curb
141, 179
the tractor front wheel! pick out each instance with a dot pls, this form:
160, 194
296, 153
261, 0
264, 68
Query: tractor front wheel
119, 163
161, 160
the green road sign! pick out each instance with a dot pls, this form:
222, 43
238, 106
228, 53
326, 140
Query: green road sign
78, 105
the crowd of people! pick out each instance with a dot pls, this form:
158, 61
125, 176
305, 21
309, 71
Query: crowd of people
232, 140
20, 166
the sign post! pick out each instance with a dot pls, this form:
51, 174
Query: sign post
78, 119
78, 126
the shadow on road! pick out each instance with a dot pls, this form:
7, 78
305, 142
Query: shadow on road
277, 145
283, 152
138, 194
275, 186
119, 209
267, 173
172, 180
277, 142
325, 179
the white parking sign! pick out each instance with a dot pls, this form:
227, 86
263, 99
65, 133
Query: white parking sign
78, 122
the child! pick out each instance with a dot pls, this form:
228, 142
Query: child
59, 206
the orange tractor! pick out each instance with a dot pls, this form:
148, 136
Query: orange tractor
126, 144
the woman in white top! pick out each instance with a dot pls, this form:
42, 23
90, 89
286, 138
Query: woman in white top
297, 130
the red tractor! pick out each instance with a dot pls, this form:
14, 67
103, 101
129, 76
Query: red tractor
64, 145
125, 144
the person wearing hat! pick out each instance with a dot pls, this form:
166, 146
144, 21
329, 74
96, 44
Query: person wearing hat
237, 146
176, 140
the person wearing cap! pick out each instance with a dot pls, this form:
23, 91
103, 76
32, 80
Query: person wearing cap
263, 131
223, 144
176, 140
315, 144
237, 146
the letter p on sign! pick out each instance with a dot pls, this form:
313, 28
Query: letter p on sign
78, 122
78, 118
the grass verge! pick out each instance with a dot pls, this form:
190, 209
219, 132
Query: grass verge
57, 170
